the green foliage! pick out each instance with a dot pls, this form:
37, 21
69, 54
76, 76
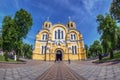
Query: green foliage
6, 56
96, 49
115, 14
116, 57
2, 59
1, 41
87, 51
24, 22
115, 9
107, 28
27, 50
14, 30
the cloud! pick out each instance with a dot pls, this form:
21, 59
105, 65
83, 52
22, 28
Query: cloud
88, 4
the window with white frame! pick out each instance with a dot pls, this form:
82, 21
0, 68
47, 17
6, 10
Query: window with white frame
59, 34
74, 49
44, 36
73, 37
43, 49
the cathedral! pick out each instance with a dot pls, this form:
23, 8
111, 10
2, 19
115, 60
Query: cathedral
59, 42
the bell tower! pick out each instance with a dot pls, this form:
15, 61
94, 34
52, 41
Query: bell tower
47, 24
71, 24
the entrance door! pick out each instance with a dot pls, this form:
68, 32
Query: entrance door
59, 55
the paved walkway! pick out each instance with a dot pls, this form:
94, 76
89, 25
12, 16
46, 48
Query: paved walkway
40, 70
96, 72
24, 73
59, 71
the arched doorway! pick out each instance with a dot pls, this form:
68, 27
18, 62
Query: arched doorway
58, 55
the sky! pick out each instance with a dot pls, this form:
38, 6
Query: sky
82, 12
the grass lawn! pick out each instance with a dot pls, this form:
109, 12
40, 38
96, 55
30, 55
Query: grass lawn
3, 60
106, 59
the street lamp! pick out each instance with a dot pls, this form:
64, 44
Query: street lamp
46, 46
69, 52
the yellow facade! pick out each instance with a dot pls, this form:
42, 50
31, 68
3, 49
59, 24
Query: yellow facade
59, 42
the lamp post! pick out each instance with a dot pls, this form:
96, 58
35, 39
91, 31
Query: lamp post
49, 54
45, 53
69, 53
77, 51
46, 46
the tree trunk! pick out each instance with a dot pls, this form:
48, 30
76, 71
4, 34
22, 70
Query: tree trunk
17, 55
6, 55
111, 54
100, 57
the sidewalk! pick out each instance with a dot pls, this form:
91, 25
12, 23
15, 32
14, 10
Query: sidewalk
24, 73
96, 72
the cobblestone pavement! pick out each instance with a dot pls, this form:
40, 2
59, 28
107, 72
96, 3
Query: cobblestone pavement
40, 70
28, 63
96, 72
59, 71
24, 72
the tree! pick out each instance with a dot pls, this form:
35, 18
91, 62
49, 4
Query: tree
14, 30
96, 49
115, 10
91, 51
24, 22
87, 52
115, 14
1, 39
8, 35
27, 50
107, 28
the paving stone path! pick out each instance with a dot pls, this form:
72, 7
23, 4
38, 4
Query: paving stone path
40, 70
59, 71
24, 73
95, 72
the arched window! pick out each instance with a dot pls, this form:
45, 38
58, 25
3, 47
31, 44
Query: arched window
74, 49
73, 37
44, 37
68, 26
46, 25
43, 49
59, 34
62, 34
55, 34
71, 25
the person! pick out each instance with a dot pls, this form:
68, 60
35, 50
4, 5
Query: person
69, 61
